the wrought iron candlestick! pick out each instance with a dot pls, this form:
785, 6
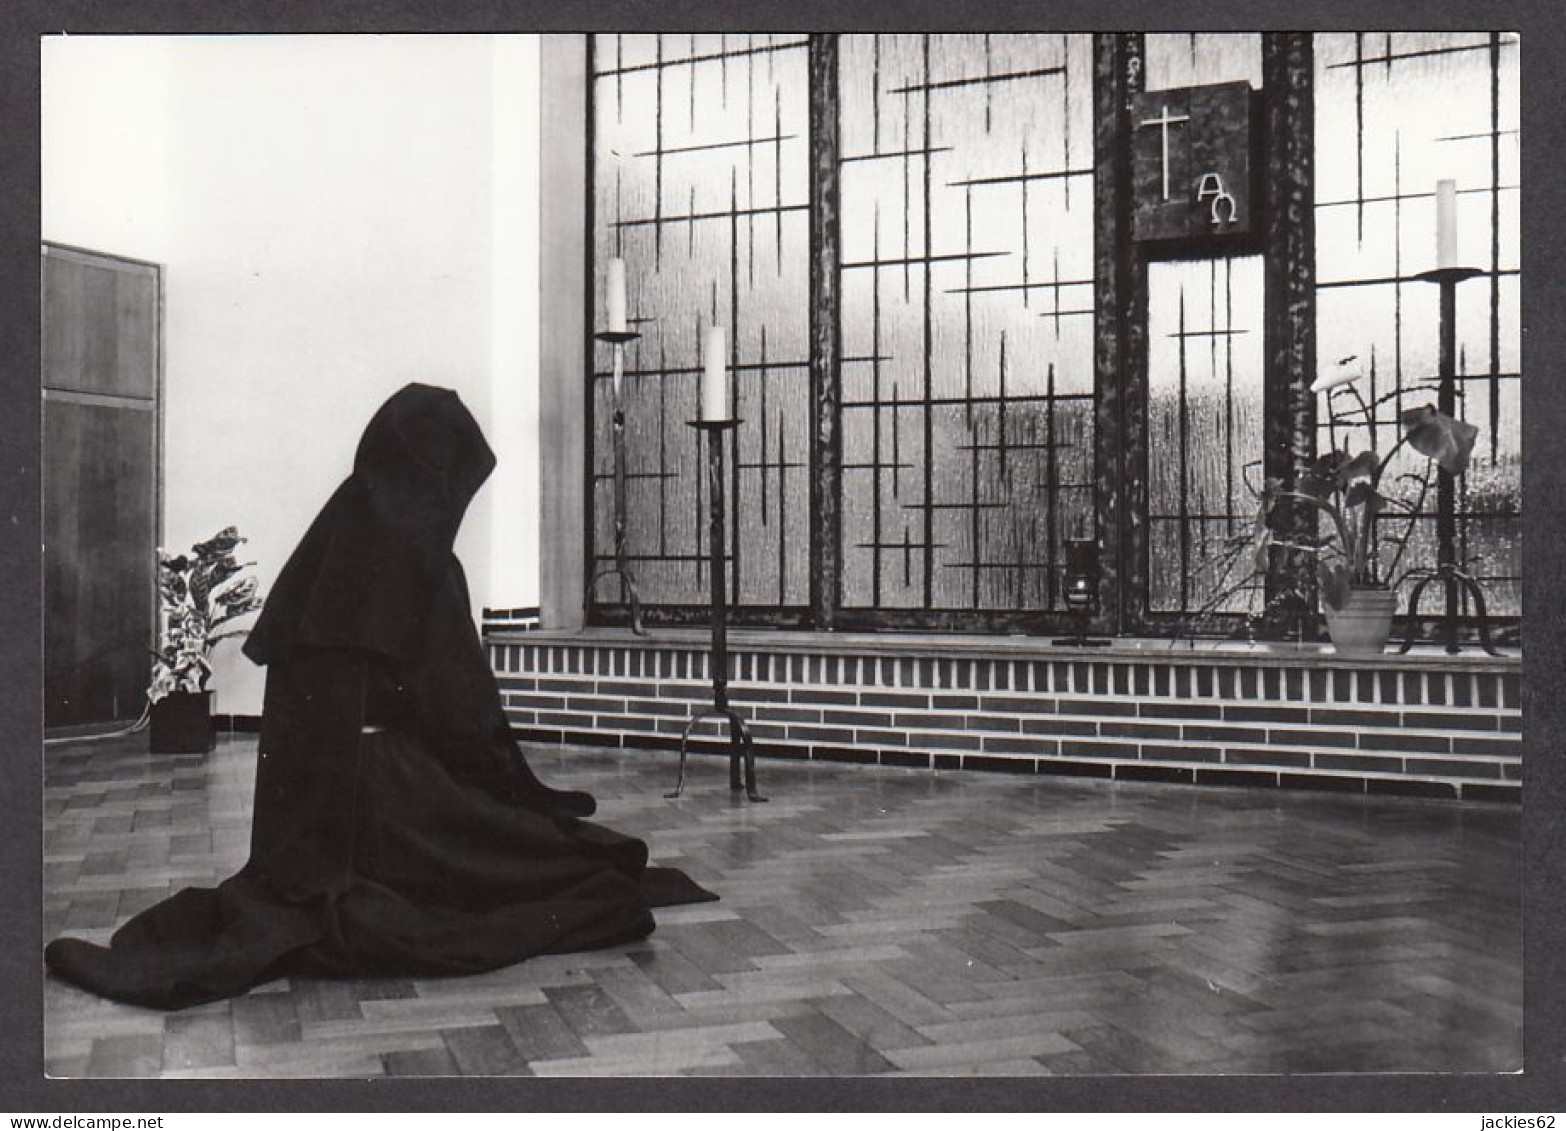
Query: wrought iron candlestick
1449, 572
739, 737
622, 564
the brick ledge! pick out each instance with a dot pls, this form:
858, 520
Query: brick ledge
919, 645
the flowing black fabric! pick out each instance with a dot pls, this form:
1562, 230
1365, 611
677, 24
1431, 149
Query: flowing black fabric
423, 845
369, 568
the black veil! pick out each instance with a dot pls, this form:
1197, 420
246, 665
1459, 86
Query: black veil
368, 568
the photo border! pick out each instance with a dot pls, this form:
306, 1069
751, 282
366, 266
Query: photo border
23, 1087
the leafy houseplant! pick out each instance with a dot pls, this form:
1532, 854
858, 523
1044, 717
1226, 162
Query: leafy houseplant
1345, 488
201, 593
1349, 492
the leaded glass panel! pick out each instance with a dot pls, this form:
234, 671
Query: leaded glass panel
1205, 364
700, 159
1396, 112
967, 320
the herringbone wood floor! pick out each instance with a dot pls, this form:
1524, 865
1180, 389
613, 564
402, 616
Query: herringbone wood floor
872, 921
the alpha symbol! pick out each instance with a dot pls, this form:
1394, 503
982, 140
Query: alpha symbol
1210, 187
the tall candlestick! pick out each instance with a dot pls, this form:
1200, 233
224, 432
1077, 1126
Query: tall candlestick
1446, 224
741, 748
616, 297
715, 377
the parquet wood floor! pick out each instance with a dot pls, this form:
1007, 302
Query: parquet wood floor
872, 921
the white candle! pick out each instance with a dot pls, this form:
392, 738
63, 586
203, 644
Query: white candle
1446, 224
715, 377
616, 297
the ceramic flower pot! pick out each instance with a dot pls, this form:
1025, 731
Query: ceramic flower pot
181, 723
1362, 626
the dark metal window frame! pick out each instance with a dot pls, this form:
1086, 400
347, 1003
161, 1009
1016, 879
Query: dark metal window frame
1287, 248
1286, 244
932, 616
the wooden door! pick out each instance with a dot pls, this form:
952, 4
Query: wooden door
102, 364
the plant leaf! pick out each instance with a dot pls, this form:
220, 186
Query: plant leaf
1334, 579
222, 542
1437, 436
1361, 494
1316, 485
1362, 466
1327, 464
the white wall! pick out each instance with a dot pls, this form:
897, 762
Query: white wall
514, 489
105, 120
338, 215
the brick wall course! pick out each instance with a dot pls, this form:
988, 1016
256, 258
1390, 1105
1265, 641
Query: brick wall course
1380, 728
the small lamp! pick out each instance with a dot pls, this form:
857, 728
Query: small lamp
1080, 590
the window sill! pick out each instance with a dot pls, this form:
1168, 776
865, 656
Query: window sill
1124, 649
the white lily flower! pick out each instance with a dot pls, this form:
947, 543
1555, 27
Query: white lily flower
1346, 371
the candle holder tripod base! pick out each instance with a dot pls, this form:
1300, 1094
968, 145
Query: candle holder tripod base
741, 748
1452, 580
628, 596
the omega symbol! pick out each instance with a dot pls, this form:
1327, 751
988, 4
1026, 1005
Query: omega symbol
1210, 187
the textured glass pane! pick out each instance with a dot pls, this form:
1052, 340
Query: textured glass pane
1395, 114
1165, 537
1205, 359
968, 316
883, 566
700, 159
1199, 58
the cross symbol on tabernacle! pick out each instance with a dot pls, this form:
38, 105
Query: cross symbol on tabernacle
1163, 123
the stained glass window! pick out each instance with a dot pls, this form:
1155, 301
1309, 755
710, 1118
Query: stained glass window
1396, 113
963, 219
1205, 358
700, 156
1198, 58
1206, 352
967, 317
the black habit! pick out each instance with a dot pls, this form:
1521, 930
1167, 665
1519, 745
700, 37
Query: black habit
397, 829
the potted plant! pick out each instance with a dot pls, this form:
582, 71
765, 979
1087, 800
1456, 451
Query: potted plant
1345, 488
200, 593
